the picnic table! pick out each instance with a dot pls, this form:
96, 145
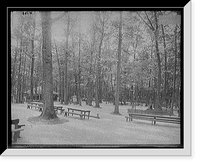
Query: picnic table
39, 105
79, 112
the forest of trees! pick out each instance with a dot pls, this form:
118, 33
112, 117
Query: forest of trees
115, 57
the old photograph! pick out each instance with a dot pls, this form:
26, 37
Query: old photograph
96, 79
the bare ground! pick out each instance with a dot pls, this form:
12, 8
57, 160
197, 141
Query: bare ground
109, 129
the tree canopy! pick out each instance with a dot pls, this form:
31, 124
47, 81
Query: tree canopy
85, 47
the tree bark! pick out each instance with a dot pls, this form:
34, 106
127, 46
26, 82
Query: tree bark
13, 75
24, 76
90, 83
66, 92
156, 32
19, 74
48, 107
59, 70
116, 110
175, 61
32, 68
62, 86
165, 53
98, 72
79, 72
32, 59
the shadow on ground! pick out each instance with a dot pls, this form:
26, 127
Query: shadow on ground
39, 121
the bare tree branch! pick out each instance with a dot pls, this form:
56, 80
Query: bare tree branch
149, 21
144, 21
58, 17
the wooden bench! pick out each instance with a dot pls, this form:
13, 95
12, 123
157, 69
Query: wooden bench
136, 111
153, 118
79, 112
39, 106
16, 130
151, 112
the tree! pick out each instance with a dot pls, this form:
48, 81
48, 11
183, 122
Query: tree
32, 56
172, 20
155, 29
79, 70
156, 34
89, 58
66, 92
48, 107
102, 19
175, 63
116, 111
13, 74
165, 69
19, 99
59, 72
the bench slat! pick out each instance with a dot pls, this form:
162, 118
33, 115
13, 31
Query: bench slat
152, 118
17, 129
74, 113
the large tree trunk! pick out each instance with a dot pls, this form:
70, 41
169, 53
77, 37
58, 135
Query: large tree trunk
19, 74
112, 89
98, 72
66, 92
79, 71
32, 59
32, 69
175, 61
165, 69
116, 110
48, 107
62, 86
13, 76
90, 83
59, 70
157, 99
24, 77
100, 87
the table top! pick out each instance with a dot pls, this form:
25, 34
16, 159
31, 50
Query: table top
36, 103
81, 110
40, 103
58, 106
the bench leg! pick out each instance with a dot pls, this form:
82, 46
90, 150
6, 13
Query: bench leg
19, 126
154, 121
16, 135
